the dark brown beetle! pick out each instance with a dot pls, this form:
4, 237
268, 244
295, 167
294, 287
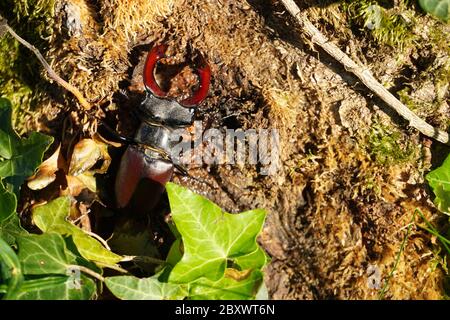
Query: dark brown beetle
145, 167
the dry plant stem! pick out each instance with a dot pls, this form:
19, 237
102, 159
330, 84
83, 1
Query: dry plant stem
363, 74
52, 74
113, 267
100, 239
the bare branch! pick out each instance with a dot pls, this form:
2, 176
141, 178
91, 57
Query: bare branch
364, 75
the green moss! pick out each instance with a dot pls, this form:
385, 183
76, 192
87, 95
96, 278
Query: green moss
20, 75
385, 145
438, 35
11, 85
371, 185
413, 104
391, 26
440, 77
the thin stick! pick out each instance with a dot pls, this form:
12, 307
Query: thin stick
111, 266
51, 73
363, 74
100, 239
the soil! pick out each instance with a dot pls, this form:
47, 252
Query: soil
338, 206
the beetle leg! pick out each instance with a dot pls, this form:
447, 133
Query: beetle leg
182, 171
116, 136
156, 54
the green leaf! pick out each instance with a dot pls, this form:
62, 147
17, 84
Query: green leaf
438, 8
234, 285
175, 253
26, 155
45, 254
7, 133
9, 221
11, 270
254, 260
52, 218
20, 157
58, 288
211, 237
8, 203
80, 261
132, 288
10, 229
439, 180
207, 241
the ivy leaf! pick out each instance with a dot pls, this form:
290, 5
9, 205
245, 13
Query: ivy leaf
135, 239
47, 254
19, 157
235, 285
132, 288
44, 254
207, 241
439, 180
9, 221
26, 155
254, 260
52, 218
438, 8
10, 229
211, 237
11, 270
58, 288
175, 253
8, 203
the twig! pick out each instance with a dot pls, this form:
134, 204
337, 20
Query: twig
51, 73
363, 74
111, 266
100, 239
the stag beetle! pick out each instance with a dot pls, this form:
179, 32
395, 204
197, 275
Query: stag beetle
145, 166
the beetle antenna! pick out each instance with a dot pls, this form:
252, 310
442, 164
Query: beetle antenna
115, 135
